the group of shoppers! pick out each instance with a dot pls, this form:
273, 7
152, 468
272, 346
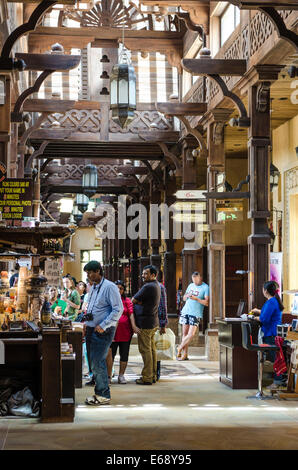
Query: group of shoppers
71, 299
111, 319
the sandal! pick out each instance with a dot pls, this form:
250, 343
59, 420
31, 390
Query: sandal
96, 400
179, 352
184, 358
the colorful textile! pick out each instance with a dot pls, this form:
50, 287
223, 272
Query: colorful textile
279, 365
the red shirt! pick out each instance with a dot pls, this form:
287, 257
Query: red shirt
124, 330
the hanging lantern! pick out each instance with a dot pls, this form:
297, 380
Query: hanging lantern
274, 176
77, 215
82, 202
90, 179
123, 91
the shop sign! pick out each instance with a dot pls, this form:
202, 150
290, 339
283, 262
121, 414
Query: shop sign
190, 194
227, 211
15, 198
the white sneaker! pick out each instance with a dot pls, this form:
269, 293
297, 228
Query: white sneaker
121, 379
97, 400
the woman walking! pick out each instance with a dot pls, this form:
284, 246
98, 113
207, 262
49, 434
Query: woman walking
125, 329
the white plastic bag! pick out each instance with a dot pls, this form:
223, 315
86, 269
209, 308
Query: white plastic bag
165, 345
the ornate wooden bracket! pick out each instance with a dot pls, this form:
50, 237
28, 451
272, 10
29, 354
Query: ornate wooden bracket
281, 29
197, 134
156, 177
180, 110
170, 156
246, 181
197, 28
214, 68
263, 97
34, 155
8, 63
26, 135
243, 120
16, 115
198, 10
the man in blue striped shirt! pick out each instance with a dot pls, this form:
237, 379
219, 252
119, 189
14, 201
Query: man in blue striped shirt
103, 312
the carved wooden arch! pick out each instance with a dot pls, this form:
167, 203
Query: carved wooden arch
197, 134
16, 116
280, 27
243, 120
26, 27
170, 156
34, 155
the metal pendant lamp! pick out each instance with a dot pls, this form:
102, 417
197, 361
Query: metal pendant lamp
123, 90
89, 181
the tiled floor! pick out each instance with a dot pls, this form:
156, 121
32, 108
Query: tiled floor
187, 409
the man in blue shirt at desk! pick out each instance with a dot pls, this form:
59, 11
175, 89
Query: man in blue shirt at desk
103, 312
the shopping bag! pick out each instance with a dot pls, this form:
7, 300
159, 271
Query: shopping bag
165, 345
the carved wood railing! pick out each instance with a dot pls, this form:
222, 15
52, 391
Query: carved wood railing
243, 43
84, 120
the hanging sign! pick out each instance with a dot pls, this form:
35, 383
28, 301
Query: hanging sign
190, 194
15, 198
229, 210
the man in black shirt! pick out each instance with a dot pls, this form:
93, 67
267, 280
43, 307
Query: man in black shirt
146, 302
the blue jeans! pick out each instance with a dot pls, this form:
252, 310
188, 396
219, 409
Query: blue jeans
99, 347
277, 379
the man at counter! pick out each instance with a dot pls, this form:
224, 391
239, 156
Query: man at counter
103, 312
196, 298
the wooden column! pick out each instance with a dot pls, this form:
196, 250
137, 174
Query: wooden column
134, 266
170, 255
144, 247
259, 210
216, 247
155, 258
115, 253
189, 181
5, 111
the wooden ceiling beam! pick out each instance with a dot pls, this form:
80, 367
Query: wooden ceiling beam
115, 182
255, 4
77, 189
64, 2
48, 106
132, 170
181, 109
155, 135
49, 61
208, 66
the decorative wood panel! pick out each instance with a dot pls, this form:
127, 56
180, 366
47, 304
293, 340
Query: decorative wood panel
86, 120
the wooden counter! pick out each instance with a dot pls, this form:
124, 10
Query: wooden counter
238, 367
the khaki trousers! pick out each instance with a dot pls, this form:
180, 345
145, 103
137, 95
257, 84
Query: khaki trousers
148, 352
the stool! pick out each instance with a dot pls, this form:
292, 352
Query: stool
261, 349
